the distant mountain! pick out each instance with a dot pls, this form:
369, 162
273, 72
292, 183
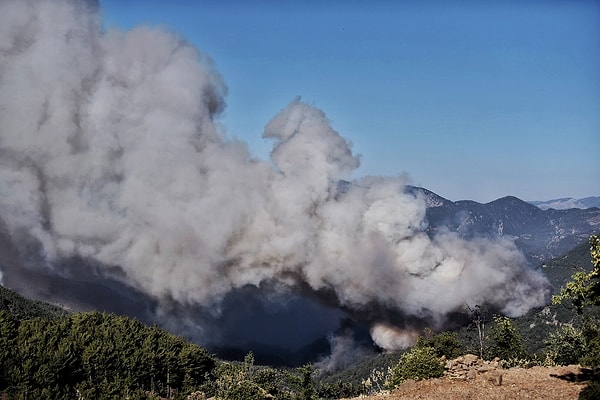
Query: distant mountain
567, 203
540, 234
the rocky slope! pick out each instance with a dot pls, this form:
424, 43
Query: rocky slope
540, 234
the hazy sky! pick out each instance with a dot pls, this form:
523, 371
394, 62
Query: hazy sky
473, 99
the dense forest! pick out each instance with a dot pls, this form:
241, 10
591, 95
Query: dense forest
94, 356
46, 353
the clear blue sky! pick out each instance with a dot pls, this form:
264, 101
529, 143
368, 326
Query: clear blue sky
473, 99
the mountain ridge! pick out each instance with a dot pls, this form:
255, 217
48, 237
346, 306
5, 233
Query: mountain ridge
566, 203
540, 234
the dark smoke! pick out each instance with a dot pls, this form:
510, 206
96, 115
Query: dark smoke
112, 169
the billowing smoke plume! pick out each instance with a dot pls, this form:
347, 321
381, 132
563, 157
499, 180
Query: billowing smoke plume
109, 152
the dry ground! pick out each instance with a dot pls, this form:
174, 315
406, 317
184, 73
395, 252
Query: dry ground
548, 383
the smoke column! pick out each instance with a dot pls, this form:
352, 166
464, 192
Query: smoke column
109, 152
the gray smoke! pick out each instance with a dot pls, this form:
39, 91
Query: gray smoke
109, 152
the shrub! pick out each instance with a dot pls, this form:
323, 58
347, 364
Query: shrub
445, 343
565, 346
419, 363
376, 382
338, 390
245, 390
243, 381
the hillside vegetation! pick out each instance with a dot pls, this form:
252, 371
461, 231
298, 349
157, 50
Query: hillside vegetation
47, 353
21, 308
95, 356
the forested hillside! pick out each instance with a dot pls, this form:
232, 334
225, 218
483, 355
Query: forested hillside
48, 354
96, 356
560, 269
22, 308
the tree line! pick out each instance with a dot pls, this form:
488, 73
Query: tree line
96, 356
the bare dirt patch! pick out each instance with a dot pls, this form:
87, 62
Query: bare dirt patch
548, 383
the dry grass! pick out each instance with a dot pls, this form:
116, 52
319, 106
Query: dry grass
548, 383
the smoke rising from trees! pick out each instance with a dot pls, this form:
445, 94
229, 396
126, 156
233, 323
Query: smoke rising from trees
109, 152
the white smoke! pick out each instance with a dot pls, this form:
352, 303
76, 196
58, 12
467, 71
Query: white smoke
393, 338
345, 351
109, 151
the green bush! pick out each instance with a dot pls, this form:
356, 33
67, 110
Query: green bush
245, 390
272, 381
338, 390
245, 381
565, 346
419, 363
445, 343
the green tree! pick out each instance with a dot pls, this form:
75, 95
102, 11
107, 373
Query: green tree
565, 346
419, 363
584, 288
196, 364
307, 389
506, 342
445, 343
272, 381
584, 291
235, 381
